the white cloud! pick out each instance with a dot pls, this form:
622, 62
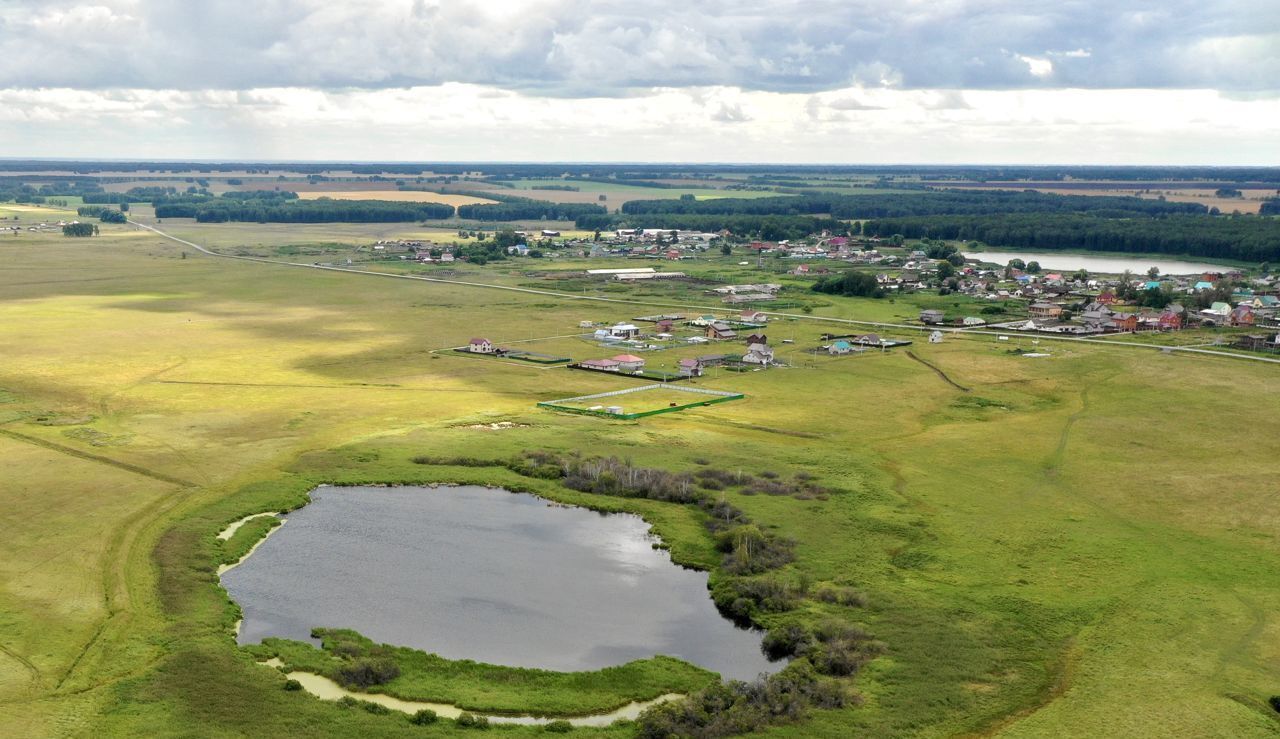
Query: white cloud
614, 47
455, 122
1038, 67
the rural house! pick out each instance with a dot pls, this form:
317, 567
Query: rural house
761, 354
690, 368
481, 346
629, 363
1044, 310
624, 331
720, 330
932, 316
605, 365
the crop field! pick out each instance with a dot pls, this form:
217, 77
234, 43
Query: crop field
1081, 544
615, 193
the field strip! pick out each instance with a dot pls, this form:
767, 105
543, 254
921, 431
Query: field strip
95, 458
686, 306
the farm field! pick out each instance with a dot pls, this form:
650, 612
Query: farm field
1249, 202
1029, 569
615, 193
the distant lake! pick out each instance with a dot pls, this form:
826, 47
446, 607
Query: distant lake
1066, 262
477, 573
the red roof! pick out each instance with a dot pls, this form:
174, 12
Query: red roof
480, 341
628, 358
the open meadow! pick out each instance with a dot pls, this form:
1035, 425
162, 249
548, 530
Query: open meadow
1071, 545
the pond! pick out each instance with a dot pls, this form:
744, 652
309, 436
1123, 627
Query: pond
1067, 262
484, 574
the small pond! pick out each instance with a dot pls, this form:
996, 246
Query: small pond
484, 574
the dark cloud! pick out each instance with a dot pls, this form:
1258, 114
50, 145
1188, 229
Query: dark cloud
579, 48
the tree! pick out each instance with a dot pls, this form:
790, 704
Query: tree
1033, 267
1081, 275
1017, 264
956, 259
896, 240
945, 270
726, 249
79, 230
124, 207
1154, 272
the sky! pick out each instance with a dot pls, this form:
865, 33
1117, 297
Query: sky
799, 81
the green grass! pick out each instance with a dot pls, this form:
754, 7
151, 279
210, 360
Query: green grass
1088, 549
485, 688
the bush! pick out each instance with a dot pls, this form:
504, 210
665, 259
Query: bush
292, 685
367, 672
742, 598
472, 721
839, 595
787, 640
726, 709
843, 649
1275, 702
375, 708
559, 726
424, 717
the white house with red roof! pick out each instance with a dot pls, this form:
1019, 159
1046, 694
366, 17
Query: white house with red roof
481, 346
629, 362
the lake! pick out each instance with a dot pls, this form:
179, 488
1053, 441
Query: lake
1067, 262
477, 573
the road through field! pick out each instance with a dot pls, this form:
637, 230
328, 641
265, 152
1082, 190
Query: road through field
648, 303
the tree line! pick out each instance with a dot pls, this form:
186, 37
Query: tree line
948, 202
1247, 239
282, 210
772, 228
515, 208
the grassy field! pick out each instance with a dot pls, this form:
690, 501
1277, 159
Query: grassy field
616, 193
1080, 545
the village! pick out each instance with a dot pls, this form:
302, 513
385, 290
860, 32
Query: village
1016, 296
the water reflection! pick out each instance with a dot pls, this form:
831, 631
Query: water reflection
476, 573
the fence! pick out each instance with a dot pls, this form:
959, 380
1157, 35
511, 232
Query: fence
711, 397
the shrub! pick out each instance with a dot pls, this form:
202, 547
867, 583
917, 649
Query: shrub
292, 685
472, 721
376, 708
424, 717
1275, 702
787, 640
366, 672
843, 649
741, 598
840, 596
725, 709
559, 726
347, 701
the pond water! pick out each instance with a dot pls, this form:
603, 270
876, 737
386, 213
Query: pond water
484, 574
1107, 265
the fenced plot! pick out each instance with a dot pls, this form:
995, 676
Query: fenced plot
639, 402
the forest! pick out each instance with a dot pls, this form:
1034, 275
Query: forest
771, 227
948, 202
1244, 238
275, 207
515, 208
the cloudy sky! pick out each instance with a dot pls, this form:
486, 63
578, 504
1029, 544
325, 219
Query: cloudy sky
846, 81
